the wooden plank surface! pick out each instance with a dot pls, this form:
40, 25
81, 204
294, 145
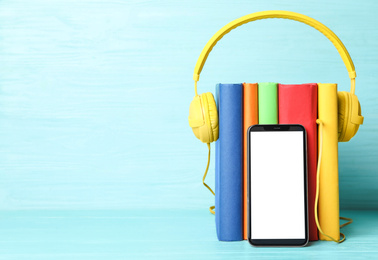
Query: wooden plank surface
94, 95
158, 234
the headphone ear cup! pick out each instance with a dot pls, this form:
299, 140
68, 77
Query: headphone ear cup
346, 128
357, 126
203, 118
213, 116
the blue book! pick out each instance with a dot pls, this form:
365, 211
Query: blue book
229, 163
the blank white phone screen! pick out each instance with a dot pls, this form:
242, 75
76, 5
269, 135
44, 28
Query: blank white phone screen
277, 185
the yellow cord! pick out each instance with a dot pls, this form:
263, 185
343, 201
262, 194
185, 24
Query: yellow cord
347, 223
342, 236
208, 161
204, 176
320, 123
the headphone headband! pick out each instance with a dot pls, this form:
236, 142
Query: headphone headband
277, 14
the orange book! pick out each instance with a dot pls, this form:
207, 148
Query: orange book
250, 117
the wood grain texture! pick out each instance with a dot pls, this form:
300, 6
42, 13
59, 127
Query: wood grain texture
94, 95
158, 234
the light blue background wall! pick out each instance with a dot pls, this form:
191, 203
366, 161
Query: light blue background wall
94, 95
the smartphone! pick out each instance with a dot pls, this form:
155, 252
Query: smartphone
277, 185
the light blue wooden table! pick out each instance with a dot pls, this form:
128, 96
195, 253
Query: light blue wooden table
97, 160
158, 234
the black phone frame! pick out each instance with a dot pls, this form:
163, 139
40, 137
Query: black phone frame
277, 242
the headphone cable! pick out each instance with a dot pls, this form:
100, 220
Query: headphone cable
342, 239
203, 179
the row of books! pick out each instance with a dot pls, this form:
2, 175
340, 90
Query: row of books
242, 105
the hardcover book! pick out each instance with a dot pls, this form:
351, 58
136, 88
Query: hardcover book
229, 163
298, 104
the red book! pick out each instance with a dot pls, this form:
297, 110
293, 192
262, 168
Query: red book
298, 104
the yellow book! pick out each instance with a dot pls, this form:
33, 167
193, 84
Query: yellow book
328, 208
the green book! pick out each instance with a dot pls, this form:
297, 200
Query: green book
268, 104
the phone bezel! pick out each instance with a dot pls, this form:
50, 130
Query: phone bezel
277, 242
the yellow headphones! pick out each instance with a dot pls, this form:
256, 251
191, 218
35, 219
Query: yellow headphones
203, 116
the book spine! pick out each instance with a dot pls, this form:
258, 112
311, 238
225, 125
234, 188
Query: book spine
329, 181
228, 196
268, 110
250, 117
217, 169
298, 104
